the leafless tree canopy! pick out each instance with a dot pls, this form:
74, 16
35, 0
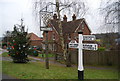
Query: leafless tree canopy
111, 12
61, 7
66, 7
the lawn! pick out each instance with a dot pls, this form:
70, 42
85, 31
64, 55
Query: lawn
36, 70
49, 55
5, 54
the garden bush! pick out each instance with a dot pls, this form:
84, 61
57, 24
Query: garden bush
101, 49
33, 52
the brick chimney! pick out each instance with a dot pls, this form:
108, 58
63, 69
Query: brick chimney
74, 17
55, 16
65, 18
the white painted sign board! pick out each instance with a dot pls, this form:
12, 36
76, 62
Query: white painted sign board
89, 37
46, 29
73, 44
87, 46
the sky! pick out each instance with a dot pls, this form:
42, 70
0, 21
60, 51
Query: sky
11, 11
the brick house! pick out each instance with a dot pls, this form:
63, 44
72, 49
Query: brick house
70, 31
35, 40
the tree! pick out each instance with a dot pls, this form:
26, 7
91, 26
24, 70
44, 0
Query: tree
60, 7
19, 44
110, 10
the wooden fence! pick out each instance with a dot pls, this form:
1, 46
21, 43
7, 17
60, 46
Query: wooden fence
96, 57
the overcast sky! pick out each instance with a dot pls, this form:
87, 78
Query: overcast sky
11, 11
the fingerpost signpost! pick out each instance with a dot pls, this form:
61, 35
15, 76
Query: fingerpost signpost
80, 46
46, 29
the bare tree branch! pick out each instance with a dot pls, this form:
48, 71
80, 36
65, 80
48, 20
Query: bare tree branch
110, 12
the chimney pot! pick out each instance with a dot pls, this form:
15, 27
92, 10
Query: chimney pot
65, 18
74, 17
55, 16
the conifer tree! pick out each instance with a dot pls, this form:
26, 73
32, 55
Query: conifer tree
19, 44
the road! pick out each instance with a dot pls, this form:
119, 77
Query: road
3, 76
1, 51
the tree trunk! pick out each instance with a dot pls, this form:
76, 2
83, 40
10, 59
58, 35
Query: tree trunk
68, 60
64, 49
61, 30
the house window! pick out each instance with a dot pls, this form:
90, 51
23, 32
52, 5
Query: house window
69, 37
83, 26
76, 37
53, 48
53, 36
43, 46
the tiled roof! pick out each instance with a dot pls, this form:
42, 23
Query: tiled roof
68, 27
34, 36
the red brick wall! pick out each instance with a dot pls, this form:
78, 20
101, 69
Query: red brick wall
36, 43
86, 31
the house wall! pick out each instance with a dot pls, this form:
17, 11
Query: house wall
74, 36
86, 30
35, 43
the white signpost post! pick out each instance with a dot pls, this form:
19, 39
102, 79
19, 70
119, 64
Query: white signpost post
80, 46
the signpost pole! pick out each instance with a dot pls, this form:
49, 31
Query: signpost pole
46, 29
80, 57
47, 60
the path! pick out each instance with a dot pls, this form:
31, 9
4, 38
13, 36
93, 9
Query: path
1, 51
4, 76
10, 78
57, 63
50, 61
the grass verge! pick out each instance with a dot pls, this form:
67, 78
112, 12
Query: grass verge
36, 70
